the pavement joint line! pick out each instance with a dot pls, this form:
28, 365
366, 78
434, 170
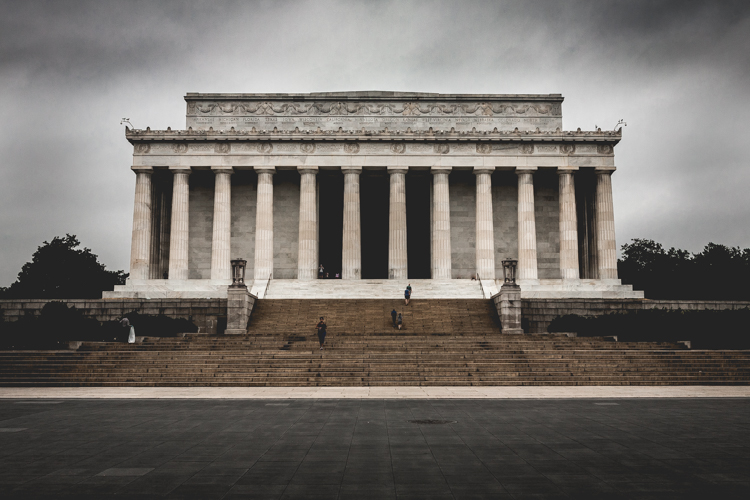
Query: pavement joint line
436, 392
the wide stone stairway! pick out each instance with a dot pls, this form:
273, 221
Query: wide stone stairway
445, 342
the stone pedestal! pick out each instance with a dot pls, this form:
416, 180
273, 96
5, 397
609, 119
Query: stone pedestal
397, 256
508, 304
239, 307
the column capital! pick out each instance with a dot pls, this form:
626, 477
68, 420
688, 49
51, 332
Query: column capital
566, 170
351, 170
142, 170
307, 169
222, 170
605, 170
483, 170
180, 170
440, 170
526, 170
397, 170
265, 170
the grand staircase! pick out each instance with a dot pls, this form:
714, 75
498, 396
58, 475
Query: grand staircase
444, 343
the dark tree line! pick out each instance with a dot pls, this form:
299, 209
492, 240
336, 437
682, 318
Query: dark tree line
59, 269
717, 273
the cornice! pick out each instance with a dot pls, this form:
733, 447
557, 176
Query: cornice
148, 135
372, 96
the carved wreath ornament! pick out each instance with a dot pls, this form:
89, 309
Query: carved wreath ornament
142, 148
180, 148
222, 147
307, 147
351, 148
398, 148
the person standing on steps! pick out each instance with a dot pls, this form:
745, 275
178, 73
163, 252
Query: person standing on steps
393, 317
407, 295
408, 287
321, 270
400, 321
125, 323
321, 332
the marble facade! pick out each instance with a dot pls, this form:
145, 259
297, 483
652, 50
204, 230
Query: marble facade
499, 178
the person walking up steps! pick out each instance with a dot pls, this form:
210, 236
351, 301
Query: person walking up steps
400, 321
393, 317
321, 332
407, 295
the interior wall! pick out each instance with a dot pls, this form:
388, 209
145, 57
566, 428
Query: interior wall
285, 223
462, 192
244, 196
200, 224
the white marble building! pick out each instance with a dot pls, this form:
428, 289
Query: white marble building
379, 187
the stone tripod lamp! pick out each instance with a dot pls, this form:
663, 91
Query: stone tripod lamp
238, 273
509, 271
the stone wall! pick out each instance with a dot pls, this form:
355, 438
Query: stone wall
206, 314
285, 224
505, 215
462, 192
244, 196
200, 224
538, 313
547, 218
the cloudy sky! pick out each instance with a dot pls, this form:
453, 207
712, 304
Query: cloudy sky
676, 71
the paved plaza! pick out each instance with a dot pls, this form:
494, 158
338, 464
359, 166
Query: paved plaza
375, 448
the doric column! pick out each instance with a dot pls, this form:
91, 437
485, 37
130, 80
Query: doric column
485, 244
307, 256
221, 266
526, 226
142, 224
606, 246
264, 224
178, 239
397, 256
568, 226
351, 261
165, 206
441, 224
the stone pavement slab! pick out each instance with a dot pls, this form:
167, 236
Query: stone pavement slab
455, 392
376, 448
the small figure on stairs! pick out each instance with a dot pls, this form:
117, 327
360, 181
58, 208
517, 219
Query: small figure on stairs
321, 332
400, 321
321, 270
393, 317
407, 295
125, 323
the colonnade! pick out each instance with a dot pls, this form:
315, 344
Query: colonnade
352, 239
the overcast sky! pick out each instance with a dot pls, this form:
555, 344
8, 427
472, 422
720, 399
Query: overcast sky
676, 71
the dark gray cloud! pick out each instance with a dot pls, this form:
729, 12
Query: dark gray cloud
677, 71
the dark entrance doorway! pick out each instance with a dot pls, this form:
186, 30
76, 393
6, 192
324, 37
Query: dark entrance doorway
418, 224
374, 192
331, 220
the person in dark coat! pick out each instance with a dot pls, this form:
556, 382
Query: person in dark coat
393, 317
407, 296
321, 332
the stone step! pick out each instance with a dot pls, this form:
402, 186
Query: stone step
373, 289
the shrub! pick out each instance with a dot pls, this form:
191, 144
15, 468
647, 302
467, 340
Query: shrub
726, 329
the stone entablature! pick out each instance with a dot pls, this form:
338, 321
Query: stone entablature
397, 111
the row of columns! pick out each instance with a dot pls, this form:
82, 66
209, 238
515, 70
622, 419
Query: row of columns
352, 238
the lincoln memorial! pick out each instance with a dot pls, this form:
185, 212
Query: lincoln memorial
378, 188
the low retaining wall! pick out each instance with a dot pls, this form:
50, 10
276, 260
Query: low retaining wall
536, 314
209, 315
